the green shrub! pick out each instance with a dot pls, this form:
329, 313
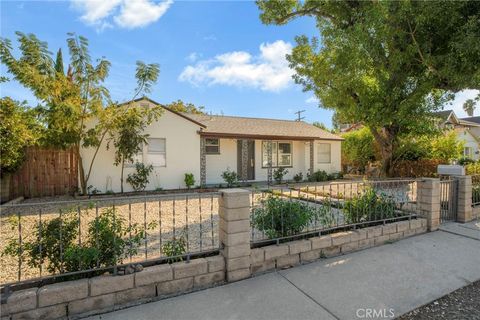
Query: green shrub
368, 206
55, 244
139, 179
278, 174
230, 177
298, 177
189, 180
472, 168
175, 248
464, 161
278, 217
318, 176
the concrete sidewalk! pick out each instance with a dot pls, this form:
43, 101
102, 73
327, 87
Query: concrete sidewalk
400, 276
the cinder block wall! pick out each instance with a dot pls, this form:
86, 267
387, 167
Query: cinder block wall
236, 261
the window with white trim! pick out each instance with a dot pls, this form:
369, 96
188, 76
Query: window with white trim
212, 146
281, 154
156, 152
324, 154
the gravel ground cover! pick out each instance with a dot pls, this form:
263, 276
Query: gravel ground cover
196, 216
462, 304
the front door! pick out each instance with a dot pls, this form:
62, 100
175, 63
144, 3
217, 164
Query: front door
246, 159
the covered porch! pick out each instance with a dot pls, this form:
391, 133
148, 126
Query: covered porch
253, 157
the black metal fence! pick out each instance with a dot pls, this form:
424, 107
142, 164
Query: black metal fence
290, 213
448, 199
475, 190
48, 239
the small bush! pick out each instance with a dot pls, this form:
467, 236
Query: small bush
139, 179
464, 161
298, 177
175, 248
107, 243
230, 177
189, 180
278, 174
318, 176
278, 217
368, 206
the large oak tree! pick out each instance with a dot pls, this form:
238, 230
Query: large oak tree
384, 64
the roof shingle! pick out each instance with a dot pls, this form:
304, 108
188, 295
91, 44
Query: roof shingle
229, 126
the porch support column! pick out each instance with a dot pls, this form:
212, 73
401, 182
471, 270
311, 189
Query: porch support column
203, 163
270, 160
311, 158
244, 147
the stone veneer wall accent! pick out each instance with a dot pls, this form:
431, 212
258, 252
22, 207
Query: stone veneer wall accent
74, 299
303, 251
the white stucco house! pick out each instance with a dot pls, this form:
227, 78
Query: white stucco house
206, 145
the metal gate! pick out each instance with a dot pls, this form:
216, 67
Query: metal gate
448, 200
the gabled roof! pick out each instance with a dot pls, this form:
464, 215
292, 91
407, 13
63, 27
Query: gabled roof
185, 116
260, 128
475, 120
446, 115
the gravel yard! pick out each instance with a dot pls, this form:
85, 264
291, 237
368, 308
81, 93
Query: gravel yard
195, 216
462, 304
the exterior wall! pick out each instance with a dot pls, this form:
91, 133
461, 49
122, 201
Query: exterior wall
182, 156
217, 163
335, 164
469, 141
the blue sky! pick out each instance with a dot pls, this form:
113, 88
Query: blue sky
211, 53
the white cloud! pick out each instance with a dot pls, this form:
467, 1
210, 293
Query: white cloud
127, 14
312, 100
267, 71
192, 57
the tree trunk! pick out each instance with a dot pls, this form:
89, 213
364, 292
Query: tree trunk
121, 174
386, 139
81, 171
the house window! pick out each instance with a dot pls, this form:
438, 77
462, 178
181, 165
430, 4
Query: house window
157, 155
281, 154
468, 152
212, 146
136, 158
324, 153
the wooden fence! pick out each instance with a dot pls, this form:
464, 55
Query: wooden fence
45, 172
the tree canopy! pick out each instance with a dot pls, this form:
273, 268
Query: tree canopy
384, 64
186, 107
69, 101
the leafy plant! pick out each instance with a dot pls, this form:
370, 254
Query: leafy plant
230, 177
368, 206
318, 176
278, 174
54, 244
175, 248
464, 161
139, 179
298, 177
278, 217
189, 180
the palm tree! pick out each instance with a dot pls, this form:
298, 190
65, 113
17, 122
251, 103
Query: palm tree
469, 107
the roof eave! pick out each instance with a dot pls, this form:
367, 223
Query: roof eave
263, 136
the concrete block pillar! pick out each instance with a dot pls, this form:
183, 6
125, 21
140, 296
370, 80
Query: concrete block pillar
428, 198
464, 203
234, 212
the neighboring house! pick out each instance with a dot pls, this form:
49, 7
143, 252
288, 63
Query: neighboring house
467, 129
207, 145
